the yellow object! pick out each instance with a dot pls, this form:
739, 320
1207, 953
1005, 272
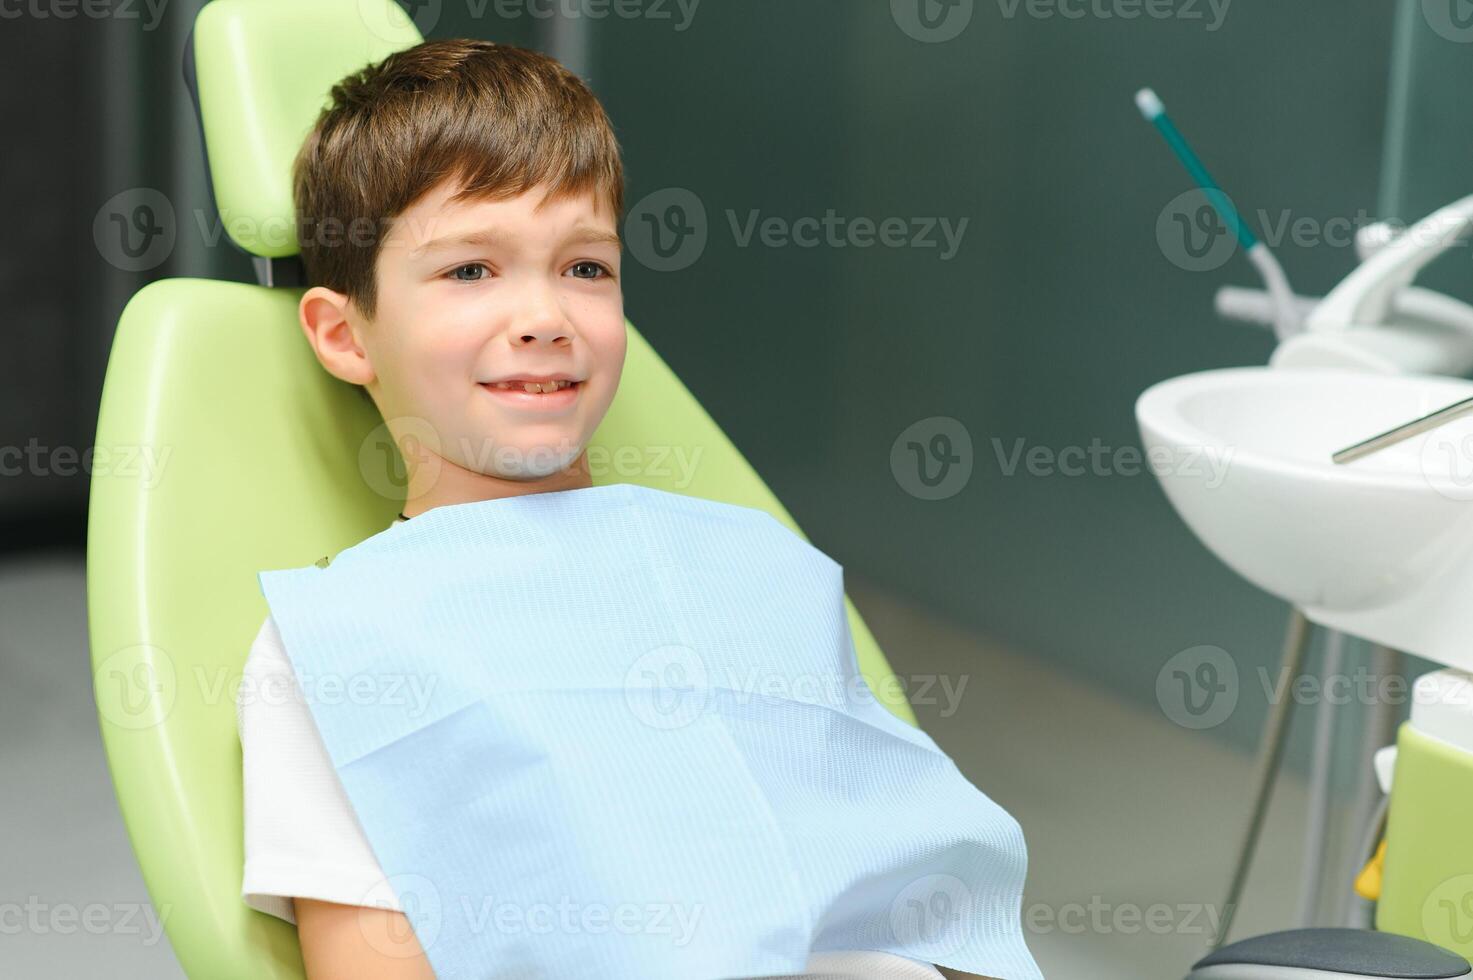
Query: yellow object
1368, 882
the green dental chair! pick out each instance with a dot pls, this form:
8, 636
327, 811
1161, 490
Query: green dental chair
266, 461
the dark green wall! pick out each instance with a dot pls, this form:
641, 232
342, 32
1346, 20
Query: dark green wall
1058, 310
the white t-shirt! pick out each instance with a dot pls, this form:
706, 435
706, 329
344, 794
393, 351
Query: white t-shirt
302, 837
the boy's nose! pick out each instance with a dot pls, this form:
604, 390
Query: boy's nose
541, 319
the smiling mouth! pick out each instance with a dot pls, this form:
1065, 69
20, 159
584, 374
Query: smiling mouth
552, 396
532, 387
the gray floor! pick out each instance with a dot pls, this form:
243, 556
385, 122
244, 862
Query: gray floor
1129, 818
65, 847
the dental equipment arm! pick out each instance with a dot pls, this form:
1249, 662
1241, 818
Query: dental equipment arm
1412, 303
1373, 320
1366, 296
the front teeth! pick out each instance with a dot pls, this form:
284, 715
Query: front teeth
536, 387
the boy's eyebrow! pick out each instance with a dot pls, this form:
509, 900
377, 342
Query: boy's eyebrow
580, 235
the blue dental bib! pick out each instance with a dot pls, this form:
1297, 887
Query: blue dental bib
621, 733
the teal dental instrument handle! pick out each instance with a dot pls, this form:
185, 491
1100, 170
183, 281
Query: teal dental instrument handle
1155, 113
1287, 319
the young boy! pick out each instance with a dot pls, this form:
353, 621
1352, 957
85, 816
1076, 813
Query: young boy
458, 205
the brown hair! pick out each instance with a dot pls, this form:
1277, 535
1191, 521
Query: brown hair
500, 119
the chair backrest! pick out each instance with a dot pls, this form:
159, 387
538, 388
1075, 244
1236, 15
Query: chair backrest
223, 449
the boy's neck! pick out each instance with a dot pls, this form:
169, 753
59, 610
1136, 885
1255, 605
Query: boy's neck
454, 484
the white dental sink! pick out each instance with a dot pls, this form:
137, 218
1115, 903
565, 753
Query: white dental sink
1381, 547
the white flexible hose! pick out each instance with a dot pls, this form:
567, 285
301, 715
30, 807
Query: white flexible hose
1287, 321
1256, 306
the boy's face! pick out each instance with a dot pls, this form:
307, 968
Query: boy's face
474, 293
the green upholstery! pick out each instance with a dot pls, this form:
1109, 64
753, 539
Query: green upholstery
223, 448
264, 69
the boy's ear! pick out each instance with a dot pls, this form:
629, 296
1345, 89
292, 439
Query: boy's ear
324, 315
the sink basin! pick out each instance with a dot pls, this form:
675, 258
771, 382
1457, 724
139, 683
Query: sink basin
1381, 547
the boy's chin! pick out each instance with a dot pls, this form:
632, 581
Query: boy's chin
533, 462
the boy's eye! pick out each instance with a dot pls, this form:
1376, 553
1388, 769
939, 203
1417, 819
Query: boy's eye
472, 266
596, 268
476, 271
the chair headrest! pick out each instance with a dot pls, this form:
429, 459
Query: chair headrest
261, 71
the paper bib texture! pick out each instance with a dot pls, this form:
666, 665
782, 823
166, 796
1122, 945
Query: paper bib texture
618, 732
